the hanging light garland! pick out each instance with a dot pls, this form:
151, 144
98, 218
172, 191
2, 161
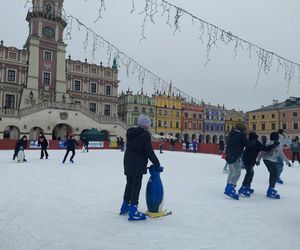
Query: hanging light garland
214, 35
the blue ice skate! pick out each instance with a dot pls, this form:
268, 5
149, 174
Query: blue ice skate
134, 214
244, 191
251, 190
230, 191
272, 193
124, 208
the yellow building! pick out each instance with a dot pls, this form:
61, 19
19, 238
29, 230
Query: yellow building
264, 120
231, 118
168, 114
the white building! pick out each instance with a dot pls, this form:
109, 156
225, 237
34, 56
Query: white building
42, 91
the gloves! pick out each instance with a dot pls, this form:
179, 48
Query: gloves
257, 163
289, 164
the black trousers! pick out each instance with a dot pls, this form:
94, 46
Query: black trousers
132, 189
294, 154
272, 168
44, 150
248, 176
66, 155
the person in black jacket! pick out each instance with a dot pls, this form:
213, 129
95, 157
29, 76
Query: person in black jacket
236, 142
85, 144
44, 144
22, 143
138, 151
249, 159
70, 143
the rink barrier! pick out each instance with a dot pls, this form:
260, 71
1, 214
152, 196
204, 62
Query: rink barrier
7, 144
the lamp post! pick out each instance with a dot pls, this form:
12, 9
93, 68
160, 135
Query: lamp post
31, 97
64, 98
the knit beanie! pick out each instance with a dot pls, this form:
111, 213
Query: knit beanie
144, 121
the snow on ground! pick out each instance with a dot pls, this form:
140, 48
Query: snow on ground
47, 205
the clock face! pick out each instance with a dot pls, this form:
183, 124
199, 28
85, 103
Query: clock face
48, 32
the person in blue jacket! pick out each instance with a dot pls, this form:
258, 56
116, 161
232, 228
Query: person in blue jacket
138, 151
236, 142
21, 143
71, 145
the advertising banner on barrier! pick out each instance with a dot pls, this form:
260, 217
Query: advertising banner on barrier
34, 144
61, 144
96, 144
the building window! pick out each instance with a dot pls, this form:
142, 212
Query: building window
135, 121
77, 102
159, 123
194, 115
194, 125
254, 117
93, 107
171, 124
295, 125
47, 56
93, 87
165, 124
136, 109
9, 101
283, 115
160, 112
262, 116
284, 126
273, 126
46, 78
186, 115
200, 116
207, 127
77, 85
211, 127
200, 126
263, 127
143, 110
107, 90
253, 126
177, 114
185, 125
294, 114
11, 75
151, 111
273, 116
165, 112
177, 124
107, 110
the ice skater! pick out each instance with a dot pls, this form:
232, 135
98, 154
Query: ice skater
85, 144
295, 149
270, 159
20, 145
42, 141
71, 145
235, 145
283, 142
138, 151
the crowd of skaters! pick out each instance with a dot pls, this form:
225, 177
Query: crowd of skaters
246, 151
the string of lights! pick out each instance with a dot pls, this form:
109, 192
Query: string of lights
212, 34
143, 74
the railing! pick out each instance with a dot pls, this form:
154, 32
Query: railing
53, 13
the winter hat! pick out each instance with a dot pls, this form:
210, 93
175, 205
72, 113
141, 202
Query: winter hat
144, 121
252, 136
280, 131
240, 126
274, 136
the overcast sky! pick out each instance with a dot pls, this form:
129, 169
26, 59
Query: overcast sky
226, 79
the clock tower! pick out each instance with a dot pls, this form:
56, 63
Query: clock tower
46, 64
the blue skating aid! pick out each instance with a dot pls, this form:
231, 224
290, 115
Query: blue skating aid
244, 191
155, 194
